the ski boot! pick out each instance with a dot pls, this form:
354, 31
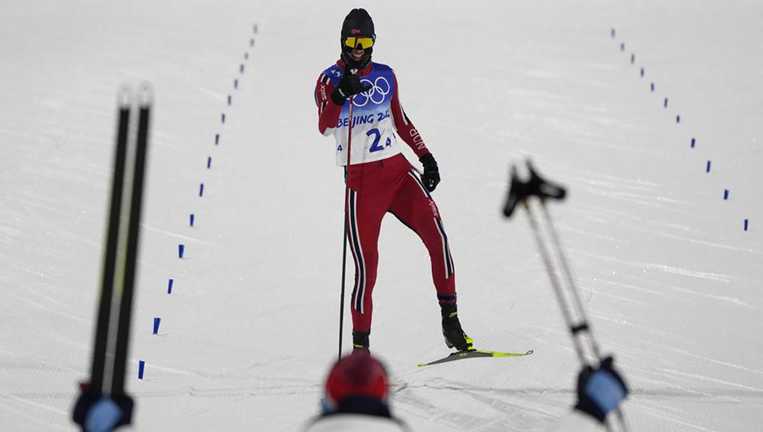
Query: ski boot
452, 331
360, 340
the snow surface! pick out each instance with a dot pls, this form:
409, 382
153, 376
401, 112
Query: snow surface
669, 276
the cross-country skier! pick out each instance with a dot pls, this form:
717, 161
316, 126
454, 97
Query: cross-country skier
380, 179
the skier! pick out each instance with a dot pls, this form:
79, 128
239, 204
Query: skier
355, 398
379, 178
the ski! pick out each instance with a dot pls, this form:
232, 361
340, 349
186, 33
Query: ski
463, 355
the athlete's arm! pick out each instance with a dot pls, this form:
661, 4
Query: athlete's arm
328, 111
404, 125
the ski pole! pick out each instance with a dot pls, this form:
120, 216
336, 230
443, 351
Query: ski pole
346, 224
567, 272
344, 267
575, 294
574, 315
573, 311
98, 365
554, 278
132, 240
583, 327
104, 396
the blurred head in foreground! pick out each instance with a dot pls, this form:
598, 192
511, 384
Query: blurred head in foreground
355, 398
357, 384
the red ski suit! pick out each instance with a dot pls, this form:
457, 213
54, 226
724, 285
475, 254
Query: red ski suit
380, 180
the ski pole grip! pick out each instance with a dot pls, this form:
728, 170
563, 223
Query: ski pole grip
535, 185
515, 195
543, 188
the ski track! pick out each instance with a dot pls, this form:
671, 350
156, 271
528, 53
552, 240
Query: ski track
603, 293
712, 360
422, 408
711, 244
44, 424
709, 379
176, 235
733, 300
34, 404
717, 277
49, 309
659, 413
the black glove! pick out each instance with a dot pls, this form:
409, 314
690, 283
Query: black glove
601, 390
349, 85
431, 175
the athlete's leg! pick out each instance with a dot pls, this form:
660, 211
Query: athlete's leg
364, 217
415, 208
373, 187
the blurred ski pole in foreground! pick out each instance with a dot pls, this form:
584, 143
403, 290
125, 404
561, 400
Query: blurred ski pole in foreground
600, 387
102, 404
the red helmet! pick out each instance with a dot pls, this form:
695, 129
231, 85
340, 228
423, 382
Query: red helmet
358, 374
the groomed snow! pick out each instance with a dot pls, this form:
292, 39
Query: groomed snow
669, 276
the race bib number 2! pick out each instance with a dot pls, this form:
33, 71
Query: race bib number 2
376, 145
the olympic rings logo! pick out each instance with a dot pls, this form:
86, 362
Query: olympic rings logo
379, 89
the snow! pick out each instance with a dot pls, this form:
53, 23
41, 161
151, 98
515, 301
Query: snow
668, 275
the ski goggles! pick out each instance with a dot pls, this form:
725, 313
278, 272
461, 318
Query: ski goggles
365, 42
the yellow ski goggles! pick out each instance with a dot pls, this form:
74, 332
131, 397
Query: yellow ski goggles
365, 42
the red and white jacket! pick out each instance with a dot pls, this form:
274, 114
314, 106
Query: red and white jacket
377, 117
